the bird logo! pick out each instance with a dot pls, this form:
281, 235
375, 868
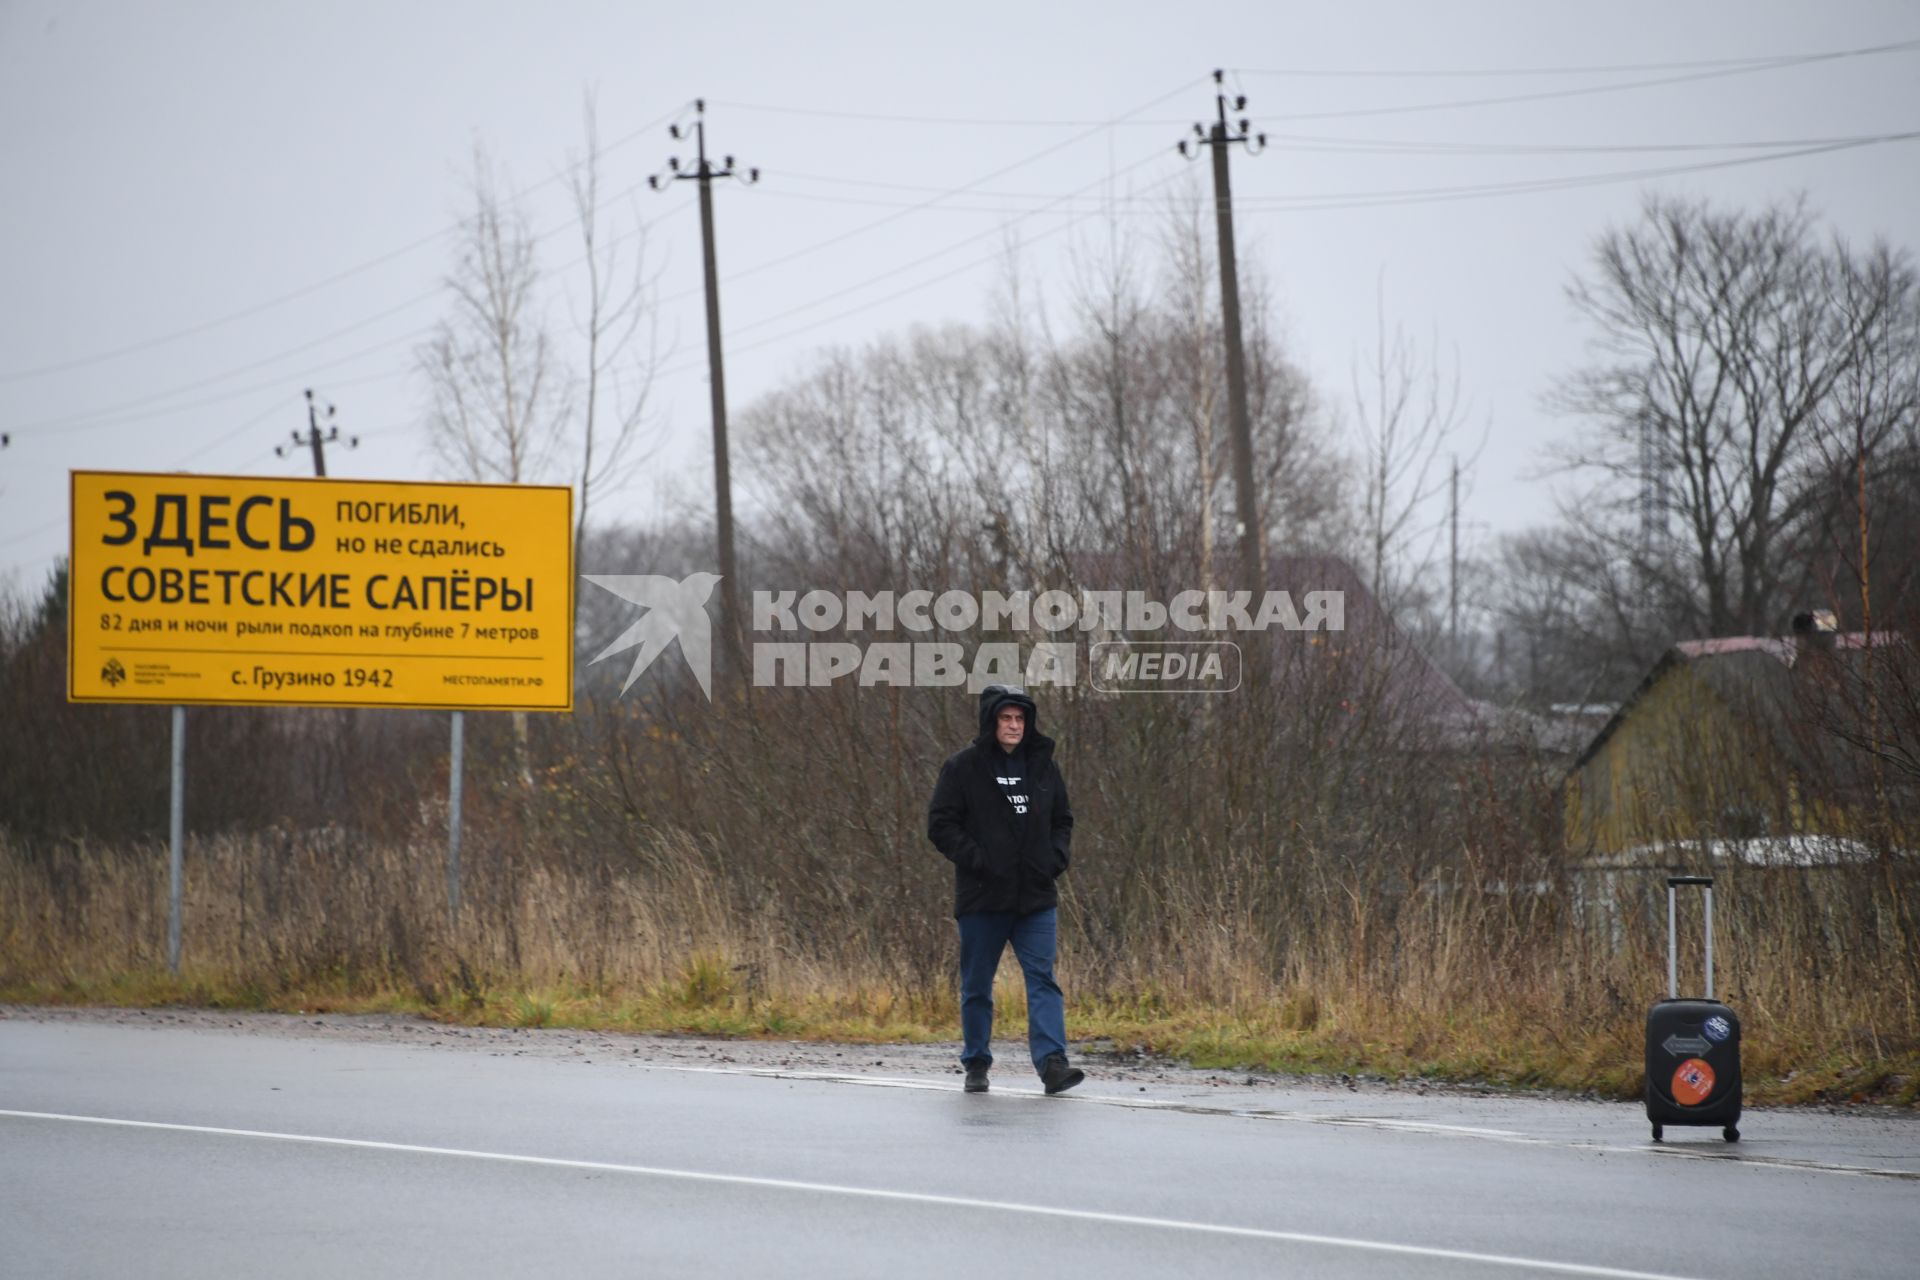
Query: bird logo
673, 610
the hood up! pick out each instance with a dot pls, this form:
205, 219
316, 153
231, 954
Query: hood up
996, 696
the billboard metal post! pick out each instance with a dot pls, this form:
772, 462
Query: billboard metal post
176, 838
454, 771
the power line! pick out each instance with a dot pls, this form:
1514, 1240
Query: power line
1407, 195
243, 428
304, 291
1039, 155
17, 538
273, 384
428, 295
120, 415
1701, 69
123, 413
95, 418
107, 416
1438, 194
885, 117
1041, 204
962, 269
787, 174
101, 414
1158, 153
1339, 143
126, 411
1132, 205
1388, 146
905, 291
1432, 196
149, 344
48, 527
114, 415
1589, 90
392, 428
1618, 68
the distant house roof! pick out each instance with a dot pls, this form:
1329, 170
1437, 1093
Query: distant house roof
1753, 673
1763, 851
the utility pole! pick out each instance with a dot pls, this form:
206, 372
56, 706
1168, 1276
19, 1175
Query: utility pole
704, 172
1652, 476
1453, 561
315, 439
1220, 137
1870, 662
1860, 480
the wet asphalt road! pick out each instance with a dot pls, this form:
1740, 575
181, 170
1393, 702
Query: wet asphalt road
258, 1155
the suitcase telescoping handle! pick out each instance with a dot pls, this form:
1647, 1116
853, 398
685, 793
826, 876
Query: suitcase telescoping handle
1673, 975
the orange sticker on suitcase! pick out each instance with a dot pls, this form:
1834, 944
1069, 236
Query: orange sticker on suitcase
1692, 1082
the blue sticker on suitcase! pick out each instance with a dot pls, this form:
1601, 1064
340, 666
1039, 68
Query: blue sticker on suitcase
1717, 1029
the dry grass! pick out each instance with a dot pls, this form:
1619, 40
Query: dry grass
1440, 983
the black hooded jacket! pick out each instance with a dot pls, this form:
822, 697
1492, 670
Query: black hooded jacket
1002, 861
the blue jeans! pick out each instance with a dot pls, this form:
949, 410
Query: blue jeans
983, 936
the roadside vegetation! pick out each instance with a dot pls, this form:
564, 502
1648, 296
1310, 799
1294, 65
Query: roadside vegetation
1448, 985
1357, 862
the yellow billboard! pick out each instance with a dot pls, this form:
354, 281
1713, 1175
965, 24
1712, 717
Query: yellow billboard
239, 590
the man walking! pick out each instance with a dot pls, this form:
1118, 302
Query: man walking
1000, 815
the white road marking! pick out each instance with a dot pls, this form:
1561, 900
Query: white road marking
873, 1193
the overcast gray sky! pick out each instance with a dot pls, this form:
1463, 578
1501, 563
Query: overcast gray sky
206, 207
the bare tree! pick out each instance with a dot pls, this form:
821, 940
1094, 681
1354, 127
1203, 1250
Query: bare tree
1408, 408
1194, 345
1094, 450
1107, 393
1726, 344
499, 398
1569, 624
1304, 483
1867, 557
618, 304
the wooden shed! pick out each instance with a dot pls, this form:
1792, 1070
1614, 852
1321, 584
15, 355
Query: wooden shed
1717, 742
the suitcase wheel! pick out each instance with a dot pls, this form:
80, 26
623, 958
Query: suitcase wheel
1730, 1133
1658, 1133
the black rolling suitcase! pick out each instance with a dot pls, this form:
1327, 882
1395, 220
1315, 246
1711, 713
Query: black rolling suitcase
1693, 1045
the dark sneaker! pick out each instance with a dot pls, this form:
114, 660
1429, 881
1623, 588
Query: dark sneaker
976, 1079
1057, 1076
